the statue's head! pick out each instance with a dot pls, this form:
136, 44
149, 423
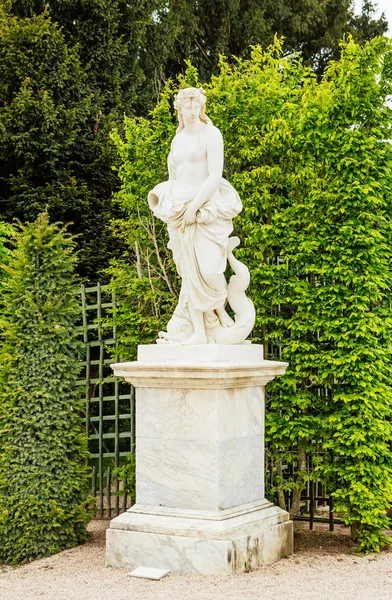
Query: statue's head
190, 103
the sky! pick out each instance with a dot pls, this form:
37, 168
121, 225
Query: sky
383, 6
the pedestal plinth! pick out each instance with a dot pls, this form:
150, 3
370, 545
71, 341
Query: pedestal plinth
200, 503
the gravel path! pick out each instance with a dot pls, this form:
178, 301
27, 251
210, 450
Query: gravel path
324, 567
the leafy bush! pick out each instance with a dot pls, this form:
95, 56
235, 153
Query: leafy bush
311, 164
145, 286
127, 474
44, 504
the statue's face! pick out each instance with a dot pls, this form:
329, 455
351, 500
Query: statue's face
191, 110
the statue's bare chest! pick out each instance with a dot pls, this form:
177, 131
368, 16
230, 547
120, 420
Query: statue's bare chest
190, 149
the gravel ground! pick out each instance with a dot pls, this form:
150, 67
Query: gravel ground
324, 567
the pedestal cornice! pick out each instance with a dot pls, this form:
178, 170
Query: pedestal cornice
200, 375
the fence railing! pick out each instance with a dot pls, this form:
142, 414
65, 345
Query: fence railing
316, 504
110, 415
109, 402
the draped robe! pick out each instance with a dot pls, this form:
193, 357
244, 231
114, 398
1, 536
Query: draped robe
190, 247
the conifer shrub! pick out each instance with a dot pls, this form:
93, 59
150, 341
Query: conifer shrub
5, 232
3, 235
44, 493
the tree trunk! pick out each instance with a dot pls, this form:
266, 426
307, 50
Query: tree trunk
354, 531
296, 505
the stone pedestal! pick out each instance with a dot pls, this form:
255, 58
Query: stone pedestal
200, 503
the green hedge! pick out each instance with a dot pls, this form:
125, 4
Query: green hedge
310, 161
44, 502
5, 233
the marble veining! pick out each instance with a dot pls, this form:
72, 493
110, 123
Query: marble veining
204, 546
241, 471
210, 415
177, 473
187, 555
214, 475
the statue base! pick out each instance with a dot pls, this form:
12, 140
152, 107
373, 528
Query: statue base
225, 542
200, 503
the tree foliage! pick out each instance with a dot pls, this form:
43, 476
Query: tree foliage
70, 69
51, 157
310, 161
43, 451
365, 26
129, 49
202, 31
108, 36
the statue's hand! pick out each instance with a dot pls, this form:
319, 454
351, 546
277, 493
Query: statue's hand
189, 217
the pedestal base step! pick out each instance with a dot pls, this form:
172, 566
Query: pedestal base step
209, 546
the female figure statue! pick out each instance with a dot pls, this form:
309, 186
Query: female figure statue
198, 206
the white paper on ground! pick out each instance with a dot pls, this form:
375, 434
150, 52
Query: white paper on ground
149, 573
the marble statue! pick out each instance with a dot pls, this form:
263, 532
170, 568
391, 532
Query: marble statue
198, 206
200, 392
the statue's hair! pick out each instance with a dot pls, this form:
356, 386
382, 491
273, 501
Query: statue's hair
183, 96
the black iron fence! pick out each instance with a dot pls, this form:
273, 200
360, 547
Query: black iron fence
110, 420
109, 403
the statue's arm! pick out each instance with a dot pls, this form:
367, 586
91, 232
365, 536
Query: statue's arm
214, 146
